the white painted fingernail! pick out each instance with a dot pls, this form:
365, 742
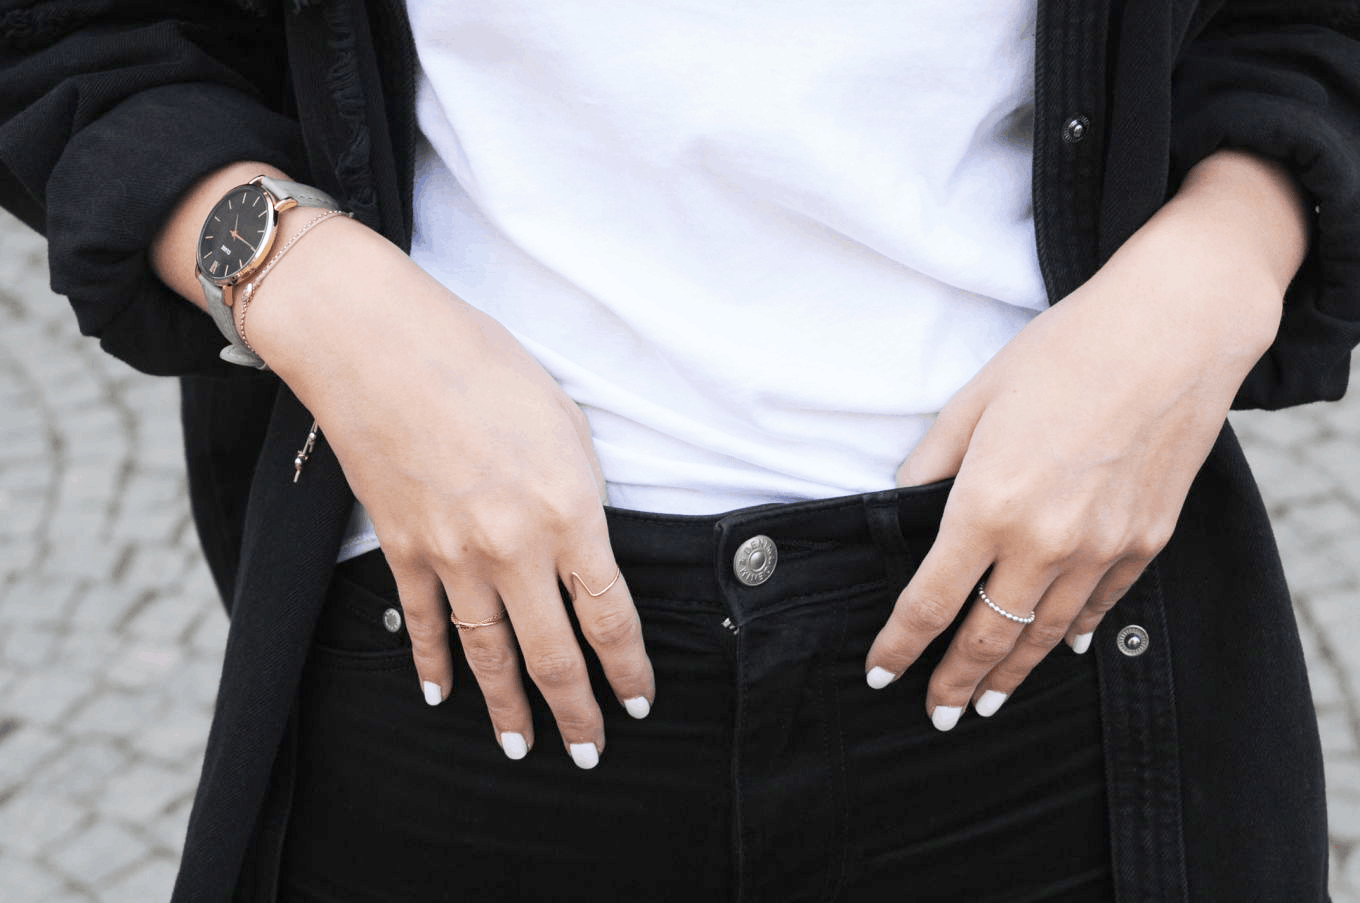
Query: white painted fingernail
1081, 642
514, 745
585, 755
878, 678
433, 695
946, 716
989, 702
638, 706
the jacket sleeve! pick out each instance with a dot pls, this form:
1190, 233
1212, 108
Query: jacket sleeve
1282, 79
109, 111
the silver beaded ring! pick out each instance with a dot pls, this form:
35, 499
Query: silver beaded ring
982, 594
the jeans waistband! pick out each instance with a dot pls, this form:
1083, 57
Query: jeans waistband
820, 547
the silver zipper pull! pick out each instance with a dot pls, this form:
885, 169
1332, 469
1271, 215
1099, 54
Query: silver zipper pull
305, 452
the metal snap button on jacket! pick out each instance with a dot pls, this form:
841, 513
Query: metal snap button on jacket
1132, 641
755, 560
1074, 132
392, 620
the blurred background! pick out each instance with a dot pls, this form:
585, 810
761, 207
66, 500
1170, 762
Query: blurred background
111, 634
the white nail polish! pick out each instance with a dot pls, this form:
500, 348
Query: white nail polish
433, 695
514, 746
585, 755
638, 706
946, 716
989, 702
1081, 642
878, 678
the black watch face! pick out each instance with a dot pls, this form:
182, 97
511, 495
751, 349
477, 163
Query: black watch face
235, 232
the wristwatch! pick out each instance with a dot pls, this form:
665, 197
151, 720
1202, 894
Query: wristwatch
236, 239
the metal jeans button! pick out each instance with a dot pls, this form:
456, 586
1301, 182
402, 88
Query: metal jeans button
392, 620
755, 560
1132, 641
1074, 131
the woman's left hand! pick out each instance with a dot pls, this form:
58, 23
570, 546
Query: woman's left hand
1075, 447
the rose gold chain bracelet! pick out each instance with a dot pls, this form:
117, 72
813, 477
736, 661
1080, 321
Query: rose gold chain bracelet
248, 292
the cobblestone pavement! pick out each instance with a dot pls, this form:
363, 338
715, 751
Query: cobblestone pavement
111, 635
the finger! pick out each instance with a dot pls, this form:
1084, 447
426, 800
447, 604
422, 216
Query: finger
1054, 615
426, 614
604, 608
1112, 587
984, 639
940, 452
492, 656
932, 599
554, 660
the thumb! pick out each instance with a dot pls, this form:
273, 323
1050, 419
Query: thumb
939, 454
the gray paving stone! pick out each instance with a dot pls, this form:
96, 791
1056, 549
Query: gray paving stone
178, 736
149, 882
82, 771
168, 830
105, 604
23, 749
26, 880
1337, 732
45, 697
113, 713
32, 823
168, 617
97, 853
140, 664
143, 792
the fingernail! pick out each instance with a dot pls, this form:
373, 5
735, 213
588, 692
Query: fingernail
945, 717
1081, 642
989, 702
878, 678
433, 695
638, 706
585, 755
514, 745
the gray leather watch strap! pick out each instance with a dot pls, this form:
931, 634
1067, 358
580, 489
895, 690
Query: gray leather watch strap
305, 195
236, 352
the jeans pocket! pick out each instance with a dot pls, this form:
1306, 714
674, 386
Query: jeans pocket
360, 628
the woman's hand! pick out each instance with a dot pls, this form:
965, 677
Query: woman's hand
477, 470
1075, 447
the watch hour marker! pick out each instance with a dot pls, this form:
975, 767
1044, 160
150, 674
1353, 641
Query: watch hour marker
213, 268
228, 203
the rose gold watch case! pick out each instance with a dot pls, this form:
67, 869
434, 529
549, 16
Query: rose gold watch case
271, 229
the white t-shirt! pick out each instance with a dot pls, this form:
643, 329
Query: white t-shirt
761, 243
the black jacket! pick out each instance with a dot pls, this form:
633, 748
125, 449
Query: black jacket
110, 110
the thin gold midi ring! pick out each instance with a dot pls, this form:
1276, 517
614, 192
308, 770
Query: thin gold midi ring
473, 625
593, 595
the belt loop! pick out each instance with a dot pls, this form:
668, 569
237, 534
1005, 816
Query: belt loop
886, 529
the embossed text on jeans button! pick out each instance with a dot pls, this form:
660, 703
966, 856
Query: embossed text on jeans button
755, 560
1074, 131
1132, 641
392, 620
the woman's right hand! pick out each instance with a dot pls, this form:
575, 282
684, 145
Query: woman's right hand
477, 470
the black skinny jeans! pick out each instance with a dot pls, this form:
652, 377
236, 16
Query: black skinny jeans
767, 771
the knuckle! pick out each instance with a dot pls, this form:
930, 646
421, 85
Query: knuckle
1045, 634
929, 614
422, 626
1148, 545
985, 648
612, 628
557, 669
489, 659
1055, 541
